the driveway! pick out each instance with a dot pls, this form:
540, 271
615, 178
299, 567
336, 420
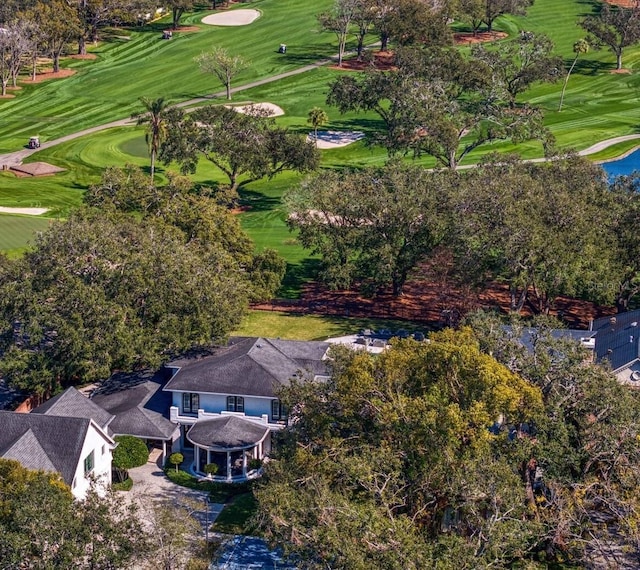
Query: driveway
150, 484
249, 552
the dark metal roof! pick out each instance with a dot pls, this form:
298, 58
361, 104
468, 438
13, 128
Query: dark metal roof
227, 432
138, 403
72, 404
618, 338
249, 366
40, 441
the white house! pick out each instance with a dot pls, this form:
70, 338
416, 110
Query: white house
227, 405
77, 448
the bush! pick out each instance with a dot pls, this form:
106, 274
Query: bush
255, 464
211, 468
131, 452
124, 485
176, 459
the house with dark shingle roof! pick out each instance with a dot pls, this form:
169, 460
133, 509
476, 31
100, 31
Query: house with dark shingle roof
77, 447
139, 407
227, 402
618, 343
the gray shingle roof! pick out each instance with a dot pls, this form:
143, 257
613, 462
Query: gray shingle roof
138, 404
226, 432
40, 441
72, 404
249, 366
618, 342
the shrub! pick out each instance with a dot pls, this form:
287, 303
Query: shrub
255, 463
131, 452
211, 468
176, 459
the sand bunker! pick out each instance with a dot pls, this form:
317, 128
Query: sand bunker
334, 139
27, 211
233, 18
269, 109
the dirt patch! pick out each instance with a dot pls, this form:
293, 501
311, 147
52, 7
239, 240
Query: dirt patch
47, 75
240, 209
381, 60
431, 297
82, 56
622, 71
622, 3
185, 29
465, 38
7, 96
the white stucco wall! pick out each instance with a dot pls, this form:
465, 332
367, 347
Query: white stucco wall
101, 446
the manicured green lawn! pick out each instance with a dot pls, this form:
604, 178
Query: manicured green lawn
17, 232
275, 324
108, 88
236, 516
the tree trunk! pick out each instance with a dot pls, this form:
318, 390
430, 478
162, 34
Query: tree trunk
619, 59
153, 163
56, 62
360, 46
228, 87
82, 46
622, 304
384, 41
4, 87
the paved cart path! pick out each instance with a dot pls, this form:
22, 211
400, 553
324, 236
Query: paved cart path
18, 156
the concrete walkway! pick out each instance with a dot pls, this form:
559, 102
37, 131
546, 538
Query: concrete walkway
150, 484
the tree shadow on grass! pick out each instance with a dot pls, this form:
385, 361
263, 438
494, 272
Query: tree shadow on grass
589, 66
256, 201
296, 276
312, 54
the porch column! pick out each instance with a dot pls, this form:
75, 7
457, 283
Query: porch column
208, 456
196, 458
164, 452
244, 463
228, 466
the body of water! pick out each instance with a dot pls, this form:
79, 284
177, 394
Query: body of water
624, 165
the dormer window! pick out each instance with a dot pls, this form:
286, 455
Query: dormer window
235, 404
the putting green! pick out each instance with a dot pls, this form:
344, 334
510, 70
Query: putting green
135, 146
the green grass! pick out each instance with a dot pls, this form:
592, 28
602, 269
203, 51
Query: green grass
18, 232
236, 516
126, 485
218, 492
108, 88
276, 324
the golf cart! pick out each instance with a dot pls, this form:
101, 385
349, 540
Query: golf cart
34, 142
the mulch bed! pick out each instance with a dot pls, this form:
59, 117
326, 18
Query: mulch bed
465, 38
622, 3
47, 75
432, 298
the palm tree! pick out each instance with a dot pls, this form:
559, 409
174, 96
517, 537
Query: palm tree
580, 47
154, 116
316, 118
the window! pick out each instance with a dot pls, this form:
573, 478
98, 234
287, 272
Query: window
88, 463
190, 403
235, 404
278, 411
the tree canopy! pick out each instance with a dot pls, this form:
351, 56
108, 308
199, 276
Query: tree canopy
372, 226
244, 146
440, 455
106, 290
41, 526
439, 102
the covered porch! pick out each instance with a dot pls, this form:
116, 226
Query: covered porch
234, 445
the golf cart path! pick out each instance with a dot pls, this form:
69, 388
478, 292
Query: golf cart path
18, 156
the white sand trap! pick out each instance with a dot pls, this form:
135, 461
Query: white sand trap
268, 109
27, 211
233, 18
335, 139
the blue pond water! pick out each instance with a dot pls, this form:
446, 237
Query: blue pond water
623, 166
